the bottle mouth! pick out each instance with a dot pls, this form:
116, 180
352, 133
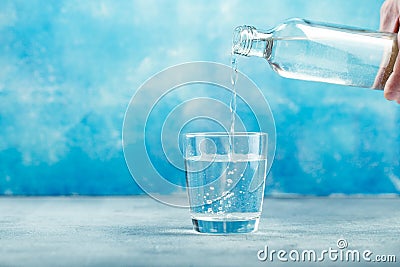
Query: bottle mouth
241, 40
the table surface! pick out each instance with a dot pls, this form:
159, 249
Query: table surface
138, 231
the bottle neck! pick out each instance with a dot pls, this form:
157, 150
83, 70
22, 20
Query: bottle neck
248, 41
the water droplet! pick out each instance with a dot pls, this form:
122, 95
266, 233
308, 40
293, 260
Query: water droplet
212, 188
208, 201
229, 181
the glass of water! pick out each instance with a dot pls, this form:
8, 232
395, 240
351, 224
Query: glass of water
225, 175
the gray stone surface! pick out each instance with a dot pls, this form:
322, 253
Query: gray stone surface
138, 231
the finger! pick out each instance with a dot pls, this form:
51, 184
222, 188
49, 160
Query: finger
389, 14
392, 87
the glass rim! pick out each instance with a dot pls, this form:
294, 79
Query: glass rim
223, 134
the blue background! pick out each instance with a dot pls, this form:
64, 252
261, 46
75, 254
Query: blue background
69, 69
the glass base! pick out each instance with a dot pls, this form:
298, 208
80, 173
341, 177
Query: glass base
225, 227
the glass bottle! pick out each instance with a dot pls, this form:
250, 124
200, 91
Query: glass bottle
306, 50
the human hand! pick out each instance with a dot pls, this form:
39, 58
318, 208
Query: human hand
389, 22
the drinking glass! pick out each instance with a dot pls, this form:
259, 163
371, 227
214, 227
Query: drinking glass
225, 175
